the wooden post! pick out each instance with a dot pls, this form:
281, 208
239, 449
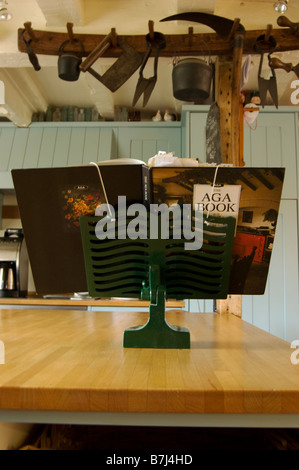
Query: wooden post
223, 94
227, 91
227, 94
236, 92
233, 305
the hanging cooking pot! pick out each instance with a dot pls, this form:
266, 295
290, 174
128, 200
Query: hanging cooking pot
192, 78
69, 62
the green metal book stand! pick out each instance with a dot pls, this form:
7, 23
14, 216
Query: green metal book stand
157, 269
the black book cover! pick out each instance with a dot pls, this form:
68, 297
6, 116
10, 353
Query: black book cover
51, 200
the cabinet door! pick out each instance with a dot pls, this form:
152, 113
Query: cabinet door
273, 144
277, 311
143, 143
196, 147
200, 305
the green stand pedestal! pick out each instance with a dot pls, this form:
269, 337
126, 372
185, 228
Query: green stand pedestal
154, 268
156, 333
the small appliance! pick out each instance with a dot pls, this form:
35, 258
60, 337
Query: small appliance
13, 264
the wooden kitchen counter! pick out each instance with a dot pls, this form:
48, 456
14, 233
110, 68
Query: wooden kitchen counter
61, 301
70, 361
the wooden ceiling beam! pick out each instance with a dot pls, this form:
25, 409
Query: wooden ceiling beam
48, 43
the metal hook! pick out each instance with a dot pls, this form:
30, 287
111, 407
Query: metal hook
151, 29
113, 37
30, 31
190, 35
70, 32
268, 32
235, 27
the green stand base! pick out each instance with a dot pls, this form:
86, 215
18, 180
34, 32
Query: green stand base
157, 333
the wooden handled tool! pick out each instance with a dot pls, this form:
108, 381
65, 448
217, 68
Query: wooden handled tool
285, 22
276, 63
96, 53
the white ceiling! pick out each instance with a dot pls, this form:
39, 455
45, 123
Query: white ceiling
28, 91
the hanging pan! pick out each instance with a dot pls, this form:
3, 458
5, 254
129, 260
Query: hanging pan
69, 62
191, 79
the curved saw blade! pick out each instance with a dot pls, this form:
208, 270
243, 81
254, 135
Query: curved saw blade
222, 26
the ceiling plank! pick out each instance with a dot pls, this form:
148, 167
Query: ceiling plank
196, 5
58, 13
22, 96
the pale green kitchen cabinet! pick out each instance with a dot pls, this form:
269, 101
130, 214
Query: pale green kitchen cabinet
50, 144
143, 140
45, 145
273, 143
277, 311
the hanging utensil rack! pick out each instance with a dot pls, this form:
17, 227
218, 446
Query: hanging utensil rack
48, 43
